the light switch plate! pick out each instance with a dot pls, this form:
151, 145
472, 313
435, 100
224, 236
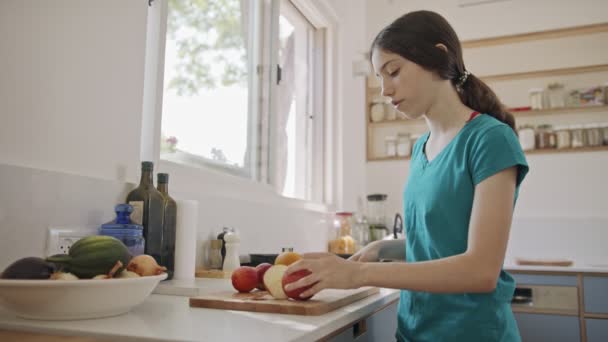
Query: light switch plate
60, 239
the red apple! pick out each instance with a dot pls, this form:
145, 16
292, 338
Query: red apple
290, 278
261, 269
244, 279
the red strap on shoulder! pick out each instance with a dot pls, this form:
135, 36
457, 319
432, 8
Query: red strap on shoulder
473, 115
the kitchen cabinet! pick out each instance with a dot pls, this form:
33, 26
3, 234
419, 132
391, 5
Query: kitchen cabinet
595, 289
563, 306
554, 328
597, 330
380, 326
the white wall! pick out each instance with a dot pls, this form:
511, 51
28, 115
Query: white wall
71, 85
565, 188
492, 19
71, 96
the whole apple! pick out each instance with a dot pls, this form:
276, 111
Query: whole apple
295, 276
261, 269
244, 279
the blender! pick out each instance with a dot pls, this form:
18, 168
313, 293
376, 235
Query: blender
376, 210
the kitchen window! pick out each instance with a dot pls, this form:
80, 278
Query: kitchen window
224, 106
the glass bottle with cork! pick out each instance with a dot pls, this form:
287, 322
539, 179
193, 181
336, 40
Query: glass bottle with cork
148, 210
167, 255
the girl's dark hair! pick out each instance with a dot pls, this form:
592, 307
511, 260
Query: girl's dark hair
414, 36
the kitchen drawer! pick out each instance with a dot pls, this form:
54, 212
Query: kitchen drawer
596, 300
381, 326
597, 330
554, 328
534, 279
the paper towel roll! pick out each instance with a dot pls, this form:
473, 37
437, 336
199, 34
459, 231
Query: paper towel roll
185, 239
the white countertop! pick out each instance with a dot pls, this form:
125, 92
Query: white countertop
170, 318
575, 268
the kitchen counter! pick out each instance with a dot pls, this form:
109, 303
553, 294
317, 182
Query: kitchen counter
170, 318
575, 268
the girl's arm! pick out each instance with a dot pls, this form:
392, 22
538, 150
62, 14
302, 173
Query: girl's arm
475, 270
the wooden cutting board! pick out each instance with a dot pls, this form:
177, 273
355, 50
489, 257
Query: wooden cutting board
544, 262
261, 301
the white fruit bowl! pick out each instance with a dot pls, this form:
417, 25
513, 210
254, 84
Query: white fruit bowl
75, 299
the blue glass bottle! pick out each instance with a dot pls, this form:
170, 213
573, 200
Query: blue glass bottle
130, 234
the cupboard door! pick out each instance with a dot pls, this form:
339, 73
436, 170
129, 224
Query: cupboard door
345, 336
595, 289
382, 325
533, 279
554, 328
597, 330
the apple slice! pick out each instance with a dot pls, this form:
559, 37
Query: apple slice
273, 280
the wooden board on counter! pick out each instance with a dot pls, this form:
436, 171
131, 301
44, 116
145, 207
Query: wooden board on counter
218, 274
261, 301
544, 262
21, 336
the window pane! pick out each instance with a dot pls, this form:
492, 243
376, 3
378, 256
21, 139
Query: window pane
293, 122
205, 102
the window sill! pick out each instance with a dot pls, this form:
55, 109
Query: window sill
207, 181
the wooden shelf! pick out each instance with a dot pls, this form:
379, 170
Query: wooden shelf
565, 110
569, 150
544, 73
533, 152
538, 35
521, 113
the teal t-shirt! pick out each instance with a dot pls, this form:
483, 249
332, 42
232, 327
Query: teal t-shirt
438, 199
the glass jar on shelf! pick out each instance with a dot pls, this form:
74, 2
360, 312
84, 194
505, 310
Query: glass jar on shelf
545, 137
526, 138
578, 136
556, 95
376, 112
562, 137
390, 142
404, 145
594, 135
604, 129
537, 98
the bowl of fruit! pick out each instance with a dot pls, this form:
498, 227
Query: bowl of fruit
98, 278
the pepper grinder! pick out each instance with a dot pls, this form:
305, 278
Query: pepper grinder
231, 261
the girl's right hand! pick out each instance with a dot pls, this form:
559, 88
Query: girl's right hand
369, 253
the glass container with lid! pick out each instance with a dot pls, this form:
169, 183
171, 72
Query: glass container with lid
545, 137
123, 229
341, 241
562, 137
578, 136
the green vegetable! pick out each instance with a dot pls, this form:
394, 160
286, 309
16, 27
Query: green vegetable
93, 255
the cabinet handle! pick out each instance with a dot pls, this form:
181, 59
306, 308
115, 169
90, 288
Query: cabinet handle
359, 328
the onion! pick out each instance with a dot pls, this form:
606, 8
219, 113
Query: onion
145, 265
63, 276
128, 274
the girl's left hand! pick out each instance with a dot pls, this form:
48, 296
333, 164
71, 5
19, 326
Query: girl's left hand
328, 271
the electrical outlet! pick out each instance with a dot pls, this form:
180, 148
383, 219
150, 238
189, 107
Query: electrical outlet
61, 239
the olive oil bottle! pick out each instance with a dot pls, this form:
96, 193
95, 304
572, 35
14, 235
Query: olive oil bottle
167, 254
148, 210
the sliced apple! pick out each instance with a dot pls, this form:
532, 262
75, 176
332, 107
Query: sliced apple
273, 280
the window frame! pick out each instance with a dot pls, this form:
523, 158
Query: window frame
322, 16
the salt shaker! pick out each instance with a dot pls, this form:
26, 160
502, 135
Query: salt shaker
231, 260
